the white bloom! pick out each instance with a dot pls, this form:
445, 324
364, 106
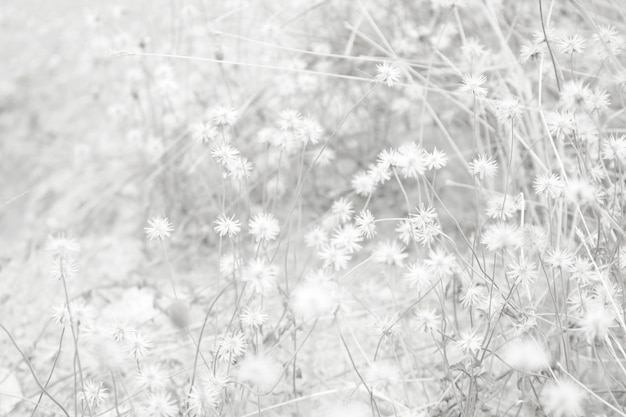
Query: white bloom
473, 83
262, 372
389, 252
231, 346
366, 224
264, 226
526, 355
314, 298
158, 228
225, 225
387, 73
562, 399
138, 346
94, 394
260, 276
343, 209
483, 167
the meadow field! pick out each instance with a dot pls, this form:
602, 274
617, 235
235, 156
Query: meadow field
335, 208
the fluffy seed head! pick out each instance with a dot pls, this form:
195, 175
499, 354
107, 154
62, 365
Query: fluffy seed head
260, 276
94, 394
389, 252
252, 318
264, 226
526, 355
262, 372
501, 236
387, 73
231, 346
366, 224
562, 399
483, 167
158, 228
225, 225
473, 83
159, 404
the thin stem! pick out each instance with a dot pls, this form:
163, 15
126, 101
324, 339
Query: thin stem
32, 371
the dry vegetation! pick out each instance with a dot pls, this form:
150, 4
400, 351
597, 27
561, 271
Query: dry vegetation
343, 208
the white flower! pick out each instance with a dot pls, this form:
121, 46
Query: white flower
158, 228
559, 258
262, 372
427, 321
81, 313
387, 73
389, 252
159, 404
473, 296
231, 346
469, 342
531, 50
379, 173
316, 238
61, 247
441, 263
227, 226
598, 100
549, 185
152, 376
264, 226
347, 237
63, 268
289, 120
614, 149
503, 207
526, 355
502, 236
560, 124
483, 167
385, 326
343, 209
314, 298
363, 183
507, 110
366, 224
412, 160
562, 399
93, 394
224, 154
252, 318
138, 346
260, 276
223, 115
596, 320
436, 159
609, 41
473, 83
203, 132
238, 169
580, 191
204, 398
574, 95
334, 256
309, 131
571, 45
523, 271
418, 276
